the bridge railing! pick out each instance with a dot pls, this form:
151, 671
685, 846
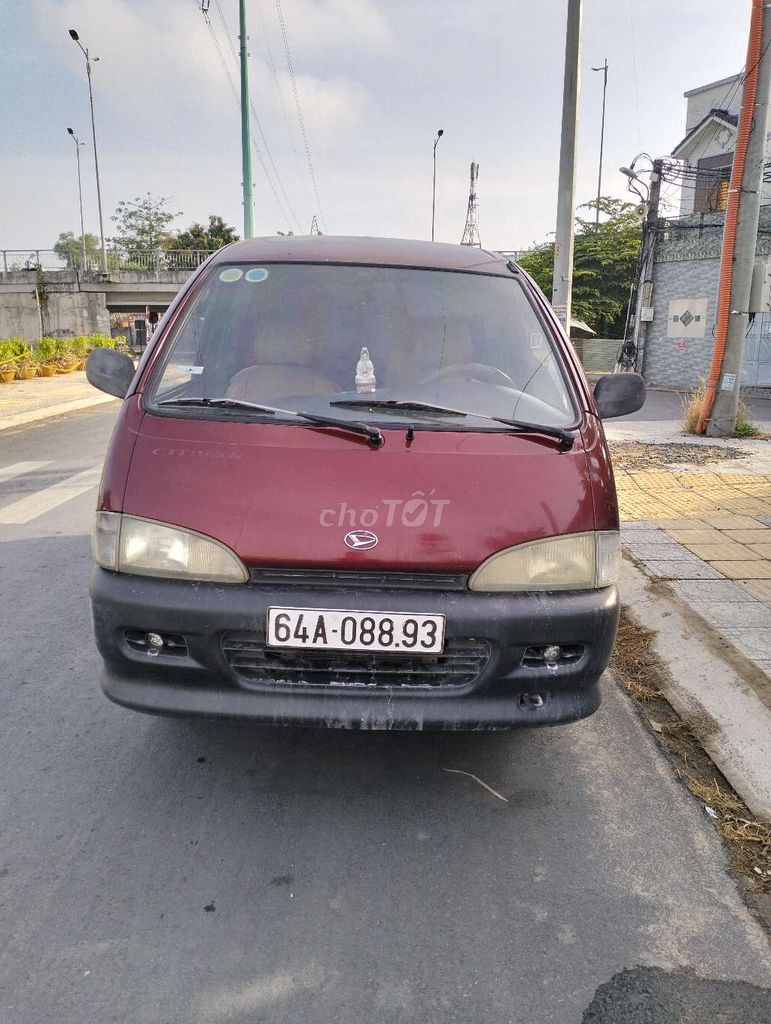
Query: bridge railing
14, 260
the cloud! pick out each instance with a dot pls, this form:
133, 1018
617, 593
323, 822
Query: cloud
314, 26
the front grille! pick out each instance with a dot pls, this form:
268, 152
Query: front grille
459, 664
348, 578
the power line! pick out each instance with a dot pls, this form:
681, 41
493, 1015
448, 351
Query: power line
236, 96
279, 90
258, 123
300, 117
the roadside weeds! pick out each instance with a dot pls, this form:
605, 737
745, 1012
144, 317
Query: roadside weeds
640, 671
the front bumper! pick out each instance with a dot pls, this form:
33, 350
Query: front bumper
200, 678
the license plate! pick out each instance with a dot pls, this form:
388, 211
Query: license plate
331, 629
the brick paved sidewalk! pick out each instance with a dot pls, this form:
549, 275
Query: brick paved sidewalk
709, 534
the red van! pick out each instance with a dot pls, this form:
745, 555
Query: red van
358, 482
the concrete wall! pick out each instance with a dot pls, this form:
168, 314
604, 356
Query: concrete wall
600, 354
79, 304
687, 267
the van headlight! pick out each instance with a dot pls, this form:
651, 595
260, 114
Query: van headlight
578, 561
146, 548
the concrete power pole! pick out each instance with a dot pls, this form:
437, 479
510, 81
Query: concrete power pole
722, 421
246, 146
563, 248
648, 256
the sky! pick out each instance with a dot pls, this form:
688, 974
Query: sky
375, 79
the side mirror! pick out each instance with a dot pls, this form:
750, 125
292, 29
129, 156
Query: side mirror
618, 394
110, 371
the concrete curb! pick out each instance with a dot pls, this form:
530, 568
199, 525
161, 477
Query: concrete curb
34, 415
708, 688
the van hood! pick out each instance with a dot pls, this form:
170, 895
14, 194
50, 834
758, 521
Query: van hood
286, 495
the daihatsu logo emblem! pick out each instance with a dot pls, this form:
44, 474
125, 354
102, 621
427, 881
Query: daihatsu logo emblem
360, 540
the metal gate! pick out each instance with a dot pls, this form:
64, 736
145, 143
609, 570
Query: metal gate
756, 371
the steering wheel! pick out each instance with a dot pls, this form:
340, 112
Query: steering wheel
488, 374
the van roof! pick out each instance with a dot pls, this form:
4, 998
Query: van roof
394, 252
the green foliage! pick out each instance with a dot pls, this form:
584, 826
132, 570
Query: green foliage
745, 429
12, 351
217, 234
143, 223
604, 265
68, 248
47, 349
61, 351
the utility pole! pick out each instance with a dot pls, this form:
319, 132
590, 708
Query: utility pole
604, 69
246, 147
725, 377
563, 247
645, 283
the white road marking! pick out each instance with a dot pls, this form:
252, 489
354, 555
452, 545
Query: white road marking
19, 469
49, 498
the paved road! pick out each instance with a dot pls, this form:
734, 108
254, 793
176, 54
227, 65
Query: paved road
160, 871
668, 405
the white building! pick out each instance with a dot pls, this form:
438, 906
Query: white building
711, 120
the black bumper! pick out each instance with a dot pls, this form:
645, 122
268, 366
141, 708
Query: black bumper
200, 678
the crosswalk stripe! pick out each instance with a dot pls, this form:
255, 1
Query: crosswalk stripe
49, 498
19, 469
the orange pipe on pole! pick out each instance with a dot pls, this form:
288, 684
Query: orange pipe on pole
732, 212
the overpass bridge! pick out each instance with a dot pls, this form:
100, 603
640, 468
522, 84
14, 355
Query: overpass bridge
45, 294
42, 294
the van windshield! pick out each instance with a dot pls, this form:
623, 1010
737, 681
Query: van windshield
337, 339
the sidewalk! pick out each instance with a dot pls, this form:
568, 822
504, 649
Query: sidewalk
696, 519
26, 401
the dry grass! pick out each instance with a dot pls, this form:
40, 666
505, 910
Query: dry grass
640, 672
733, 822
692, 410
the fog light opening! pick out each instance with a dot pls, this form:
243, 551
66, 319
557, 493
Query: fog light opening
532, 701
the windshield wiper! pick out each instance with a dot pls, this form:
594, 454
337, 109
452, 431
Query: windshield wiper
372, 434
564, 437
393, 403
521, 426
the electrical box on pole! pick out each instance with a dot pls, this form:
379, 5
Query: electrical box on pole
760, 292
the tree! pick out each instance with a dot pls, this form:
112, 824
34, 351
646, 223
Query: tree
143, 223
68, 248
604, 264
217, 234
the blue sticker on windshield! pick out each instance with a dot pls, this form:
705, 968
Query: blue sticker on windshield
231, 274
256, 274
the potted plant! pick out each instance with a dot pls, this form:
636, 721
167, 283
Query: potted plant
26, 367
8, 357
45, 352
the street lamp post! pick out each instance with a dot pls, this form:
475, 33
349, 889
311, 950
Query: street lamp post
439, 134
604, 69
74, 35
78, 144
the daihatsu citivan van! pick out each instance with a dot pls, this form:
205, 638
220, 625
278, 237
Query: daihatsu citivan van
358, 482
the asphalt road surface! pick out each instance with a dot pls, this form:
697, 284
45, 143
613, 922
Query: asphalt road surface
668, 405
157, 871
